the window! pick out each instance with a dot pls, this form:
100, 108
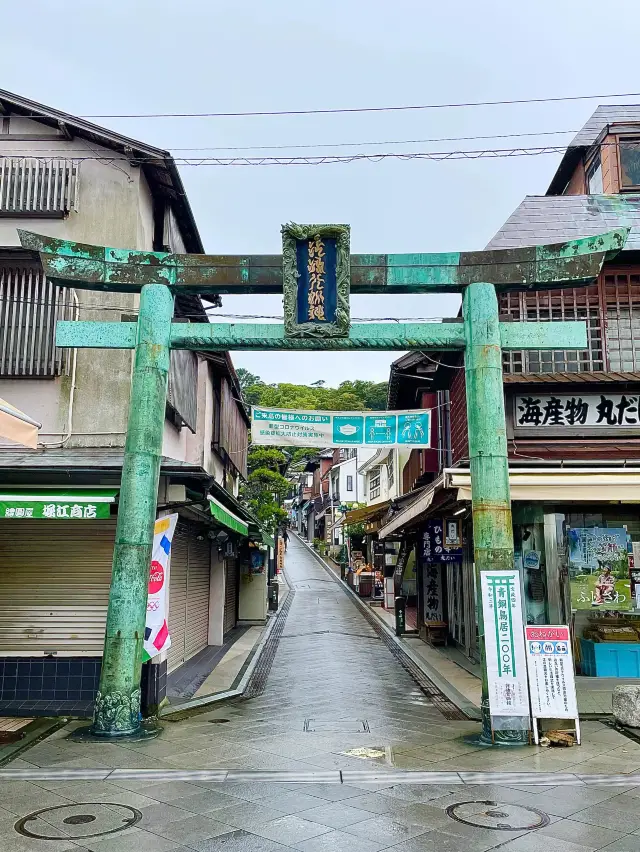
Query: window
594, 177
611, 309
580, 303
622, 327
629, 163
390, 471
30, 306
38, 187
374, 482
349, 483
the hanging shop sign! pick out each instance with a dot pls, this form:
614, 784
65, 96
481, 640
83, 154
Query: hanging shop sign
504, 643
285, 427
601, 410
441, 541
59, 505
156, 633
599, 568
552, 683
316, 272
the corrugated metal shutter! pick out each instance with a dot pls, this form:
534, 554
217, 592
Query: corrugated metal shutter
54, 584
188, 594
230, 593
178, 570
197, 632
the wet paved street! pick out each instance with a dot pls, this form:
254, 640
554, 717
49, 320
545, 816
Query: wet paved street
339, 722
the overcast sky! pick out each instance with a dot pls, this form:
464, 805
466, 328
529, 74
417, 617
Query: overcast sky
213, 56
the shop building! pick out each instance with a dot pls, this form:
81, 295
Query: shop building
59, 503
573, 425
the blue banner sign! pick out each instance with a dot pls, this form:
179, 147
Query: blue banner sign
283, 427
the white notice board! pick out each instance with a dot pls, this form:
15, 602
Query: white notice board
551, 678
504, 643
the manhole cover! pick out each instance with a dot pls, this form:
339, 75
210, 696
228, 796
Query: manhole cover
77, 822
336, 726
498, 815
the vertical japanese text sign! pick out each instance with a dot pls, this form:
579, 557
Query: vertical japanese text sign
316, 270
504, 643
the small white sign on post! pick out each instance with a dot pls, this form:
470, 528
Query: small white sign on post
504, 644
551, 678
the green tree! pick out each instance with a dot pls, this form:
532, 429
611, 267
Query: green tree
246, 379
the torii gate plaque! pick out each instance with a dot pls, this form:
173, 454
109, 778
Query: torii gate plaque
159, 276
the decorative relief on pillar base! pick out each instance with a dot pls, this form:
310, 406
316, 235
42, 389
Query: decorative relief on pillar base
116, 714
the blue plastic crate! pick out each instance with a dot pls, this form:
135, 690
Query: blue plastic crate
610, 659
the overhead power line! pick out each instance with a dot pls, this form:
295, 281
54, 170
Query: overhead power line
334, 110
287, 147
325, 159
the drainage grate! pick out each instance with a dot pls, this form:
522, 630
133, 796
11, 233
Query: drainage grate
260, 674
336, 726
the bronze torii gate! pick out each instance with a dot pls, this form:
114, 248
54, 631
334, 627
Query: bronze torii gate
159, 276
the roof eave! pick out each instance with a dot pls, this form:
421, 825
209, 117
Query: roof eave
566, 168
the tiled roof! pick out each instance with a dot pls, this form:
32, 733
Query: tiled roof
603, 116
546, 219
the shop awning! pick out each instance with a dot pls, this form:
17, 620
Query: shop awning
17, 426
367, 513
410, 513
226, 517
59, 504
557, 485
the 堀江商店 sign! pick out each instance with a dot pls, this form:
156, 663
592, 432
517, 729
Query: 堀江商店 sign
282, 427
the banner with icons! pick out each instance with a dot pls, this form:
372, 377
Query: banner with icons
156, 634
284, 427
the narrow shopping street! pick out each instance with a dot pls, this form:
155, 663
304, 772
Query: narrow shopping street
323, 758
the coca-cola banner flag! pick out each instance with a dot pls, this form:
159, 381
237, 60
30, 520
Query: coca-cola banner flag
156, 634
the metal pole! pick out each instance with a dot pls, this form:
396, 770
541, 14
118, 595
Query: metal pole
117, 706
491, 500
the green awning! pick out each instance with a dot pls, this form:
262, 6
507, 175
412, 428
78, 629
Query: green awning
61, 504
269, 540
227, 518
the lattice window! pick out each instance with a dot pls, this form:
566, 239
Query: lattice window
29, 309
622, 326
579, 303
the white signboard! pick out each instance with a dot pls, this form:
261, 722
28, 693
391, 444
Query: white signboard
156, 634
504, 643
602, 410
284, 427
551, 679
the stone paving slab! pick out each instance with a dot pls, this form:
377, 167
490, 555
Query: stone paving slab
341, 751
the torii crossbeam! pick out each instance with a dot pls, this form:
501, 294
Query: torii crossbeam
158, 277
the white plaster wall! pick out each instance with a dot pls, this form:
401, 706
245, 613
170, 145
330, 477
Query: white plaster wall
114, 208
45, 400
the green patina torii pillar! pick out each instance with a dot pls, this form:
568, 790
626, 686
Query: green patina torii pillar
160, 276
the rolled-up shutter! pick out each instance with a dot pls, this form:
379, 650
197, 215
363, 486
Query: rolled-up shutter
178, 570
230, 593
54, 585
197, 623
